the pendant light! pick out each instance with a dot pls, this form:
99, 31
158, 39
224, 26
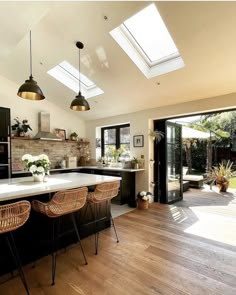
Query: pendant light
79, 103
30, 89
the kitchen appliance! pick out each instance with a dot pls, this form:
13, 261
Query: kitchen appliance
44, 128
5, 143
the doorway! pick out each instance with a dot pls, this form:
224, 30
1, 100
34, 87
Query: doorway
168, 159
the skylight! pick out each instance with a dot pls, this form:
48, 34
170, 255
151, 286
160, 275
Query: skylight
69, 76
146, 40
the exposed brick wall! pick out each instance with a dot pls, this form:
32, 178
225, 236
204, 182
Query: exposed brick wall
55, 150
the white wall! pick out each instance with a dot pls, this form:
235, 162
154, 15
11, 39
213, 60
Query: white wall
141, 122
27, 109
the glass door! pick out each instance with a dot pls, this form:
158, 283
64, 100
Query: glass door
168, 163
174, 187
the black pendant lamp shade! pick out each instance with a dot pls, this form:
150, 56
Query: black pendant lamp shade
30, 89
79, 103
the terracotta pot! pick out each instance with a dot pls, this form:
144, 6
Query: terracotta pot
222, 183
142, 204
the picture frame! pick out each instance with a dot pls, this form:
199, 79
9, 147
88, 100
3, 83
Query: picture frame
138, 140
61, 133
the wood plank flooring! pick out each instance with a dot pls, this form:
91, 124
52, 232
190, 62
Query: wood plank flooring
167, 249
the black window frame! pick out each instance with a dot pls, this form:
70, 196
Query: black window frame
117, 128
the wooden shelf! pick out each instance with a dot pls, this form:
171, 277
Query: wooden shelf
51, 140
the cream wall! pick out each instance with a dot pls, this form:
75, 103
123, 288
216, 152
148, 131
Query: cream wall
26, 109
141, 122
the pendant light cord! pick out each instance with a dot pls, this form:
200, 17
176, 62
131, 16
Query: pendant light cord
30, 57
79, 70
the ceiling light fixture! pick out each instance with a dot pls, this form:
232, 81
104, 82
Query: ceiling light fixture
79, 103
30, 89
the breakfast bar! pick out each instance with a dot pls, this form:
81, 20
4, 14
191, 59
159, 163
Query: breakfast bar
33, 239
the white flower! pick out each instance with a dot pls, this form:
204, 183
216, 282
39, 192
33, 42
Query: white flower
26, 157
33, 168
35, 158
145, 198
43, 157
37, 164
142, 193
40, 169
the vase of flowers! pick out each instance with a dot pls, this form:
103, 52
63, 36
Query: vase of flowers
143, 199
38, 165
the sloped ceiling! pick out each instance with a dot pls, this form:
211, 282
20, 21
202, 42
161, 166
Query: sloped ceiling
204, 33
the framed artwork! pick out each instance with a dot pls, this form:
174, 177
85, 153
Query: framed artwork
138, 141
61, 133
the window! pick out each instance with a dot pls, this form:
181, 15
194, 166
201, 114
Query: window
146, 40
116, 137
69, 76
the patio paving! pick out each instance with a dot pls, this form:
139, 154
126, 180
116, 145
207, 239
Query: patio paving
213, 213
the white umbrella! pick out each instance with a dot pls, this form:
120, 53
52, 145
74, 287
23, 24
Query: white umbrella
193, 133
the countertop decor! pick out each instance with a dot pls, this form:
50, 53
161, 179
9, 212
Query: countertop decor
38, 165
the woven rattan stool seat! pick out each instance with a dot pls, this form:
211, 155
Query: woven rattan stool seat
13, 215
104, 191
62, 203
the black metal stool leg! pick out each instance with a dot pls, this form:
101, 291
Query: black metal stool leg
96, 228
117, 239
15, 255
77, 234
54, 254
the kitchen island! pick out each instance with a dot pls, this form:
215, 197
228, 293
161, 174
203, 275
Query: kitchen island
127, 193
33, 239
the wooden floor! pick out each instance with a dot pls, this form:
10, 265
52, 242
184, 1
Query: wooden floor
162, 250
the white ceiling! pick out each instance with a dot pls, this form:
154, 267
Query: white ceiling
204, 33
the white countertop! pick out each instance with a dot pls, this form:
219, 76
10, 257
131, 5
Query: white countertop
89, 167
15, 188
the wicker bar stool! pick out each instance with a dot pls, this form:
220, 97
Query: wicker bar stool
103, 193
13, 216
62, 203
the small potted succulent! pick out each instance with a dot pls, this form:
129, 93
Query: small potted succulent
74, 136
135, 163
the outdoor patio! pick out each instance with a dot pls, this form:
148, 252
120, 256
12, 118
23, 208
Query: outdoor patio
213, 214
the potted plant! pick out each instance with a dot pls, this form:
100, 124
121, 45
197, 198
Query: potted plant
39, 166
135, 163
221, 175
74, 136
21, 127
156, 135
143, 199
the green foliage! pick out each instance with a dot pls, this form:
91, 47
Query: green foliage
199, 155
198, 150
222, 170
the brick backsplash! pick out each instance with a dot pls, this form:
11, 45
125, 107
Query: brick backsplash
55, 150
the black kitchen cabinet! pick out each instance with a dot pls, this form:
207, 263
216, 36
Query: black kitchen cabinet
4, 124
127, 185
5, 143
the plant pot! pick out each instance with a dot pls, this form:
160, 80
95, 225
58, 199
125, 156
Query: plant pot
142, 204
222, 183
73, 138
136, 165
38, 177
